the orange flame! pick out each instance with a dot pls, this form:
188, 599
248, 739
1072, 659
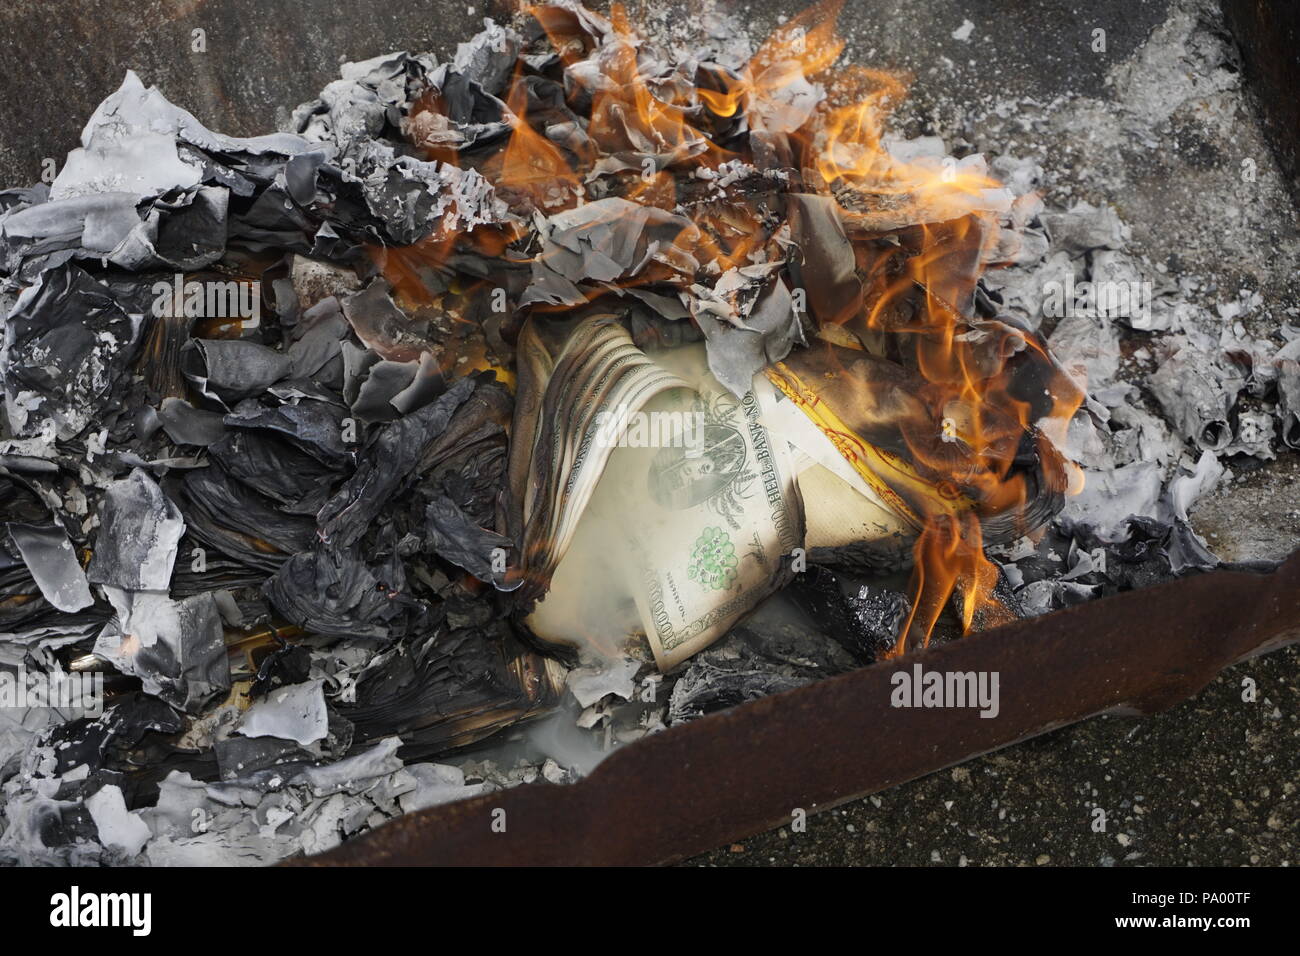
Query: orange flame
531, 164
668, 133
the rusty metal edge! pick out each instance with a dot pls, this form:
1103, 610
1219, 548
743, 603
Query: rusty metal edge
740, 772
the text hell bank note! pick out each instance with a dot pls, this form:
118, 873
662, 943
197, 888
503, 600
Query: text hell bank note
711, 521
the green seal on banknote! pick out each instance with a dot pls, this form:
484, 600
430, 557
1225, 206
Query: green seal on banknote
713, 560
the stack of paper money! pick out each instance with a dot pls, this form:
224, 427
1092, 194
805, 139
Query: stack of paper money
655, 504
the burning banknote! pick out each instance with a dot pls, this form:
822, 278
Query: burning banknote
852, 396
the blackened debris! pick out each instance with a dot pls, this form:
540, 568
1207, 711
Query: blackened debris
867, 624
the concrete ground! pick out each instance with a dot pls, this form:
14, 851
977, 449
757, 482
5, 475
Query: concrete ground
260, 58
1210, 782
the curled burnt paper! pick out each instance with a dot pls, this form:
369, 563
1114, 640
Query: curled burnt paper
1198, 394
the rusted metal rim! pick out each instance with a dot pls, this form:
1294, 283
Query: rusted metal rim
736, 773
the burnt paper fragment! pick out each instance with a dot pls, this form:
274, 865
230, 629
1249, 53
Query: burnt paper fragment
53, 564
953, 262
22, 197
467, 462
139, 531
238, 521
1254, 435
227, 370
385, 466
287, 664
300, 175
277, 468
393, 196
449, 687
67, 342
117, 827
315, 427
823, 264
412, 198
49, 235
382, 326
183, 232
367, 102
317, 344
1084, 227
385, 328
707, 687
1184, 548
604, 241
257, 760
1144, 551
210, 568
187, 425
1288, 388
384, 382
476, 118
739, 349
104, 742
133, 106
293, 712
451, 535
176, 648
332, 591
427, 383
1198, 392
272, 221
489, 58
